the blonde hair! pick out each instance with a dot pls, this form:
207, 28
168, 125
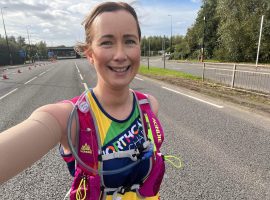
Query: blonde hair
101, 8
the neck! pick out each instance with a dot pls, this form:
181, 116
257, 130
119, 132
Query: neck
112, 97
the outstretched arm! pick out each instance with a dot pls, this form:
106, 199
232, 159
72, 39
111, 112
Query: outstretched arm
27, 142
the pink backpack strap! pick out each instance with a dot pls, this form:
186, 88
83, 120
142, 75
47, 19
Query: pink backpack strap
150, 119
86, 138
87, 143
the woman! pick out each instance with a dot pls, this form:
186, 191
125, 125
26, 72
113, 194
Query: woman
113, 47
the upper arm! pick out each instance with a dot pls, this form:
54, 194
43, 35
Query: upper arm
35, 136
154, 104
60, 112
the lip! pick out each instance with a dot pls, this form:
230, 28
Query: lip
119, 69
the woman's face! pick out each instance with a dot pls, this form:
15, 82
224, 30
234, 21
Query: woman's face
115, 49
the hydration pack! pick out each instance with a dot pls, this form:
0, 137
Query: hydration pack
88, 185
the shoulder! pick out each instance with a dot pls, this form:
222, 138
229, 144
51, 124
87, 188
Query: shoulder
154, 104
60, 111
152, 100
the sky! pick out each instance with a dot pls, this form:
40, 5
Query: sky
58, 22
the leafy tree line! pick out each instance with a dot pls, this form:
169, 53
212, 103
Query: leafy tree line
227, 29
20, 51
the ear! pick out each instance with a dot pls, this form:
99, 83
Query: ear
89, 56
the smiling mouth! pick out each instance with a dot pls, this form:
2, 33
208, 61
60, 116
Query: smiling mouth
119, 69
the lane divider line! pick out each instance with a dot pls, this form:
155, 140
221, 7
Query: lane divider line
81, 77
212, 104
77, 67
41, 73
85, 86
78, 71
30, 80
138, 78
2, 97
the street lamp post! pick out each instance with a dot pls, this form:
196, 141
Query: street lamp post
10, 56
29, 44
171, 32
259, 43
202, 59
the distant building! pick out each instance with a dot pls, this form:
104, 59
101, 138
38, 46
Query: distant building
62, 53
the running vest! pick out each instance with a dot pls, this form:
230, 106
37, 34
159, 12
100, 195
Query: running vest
139, 138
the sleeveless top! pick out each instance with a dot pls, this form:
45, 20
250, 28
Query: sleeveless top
119, 135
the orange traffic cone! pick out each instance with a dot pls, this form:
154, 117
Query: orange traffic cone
5, 76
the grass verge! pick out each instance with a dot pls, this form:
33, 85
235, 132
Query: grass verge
166, 72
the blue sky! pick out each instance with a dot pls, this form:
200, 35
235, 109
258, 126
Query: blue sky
155, 19
58, 22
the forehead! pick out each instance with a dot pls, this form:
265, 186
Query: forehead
114, 23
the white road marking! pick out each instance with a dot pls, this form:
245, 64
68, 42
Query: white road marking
81, 77
30, 80
78, 71
77, 67
2, 97
41, 73
85, 86
212, 104
138, 78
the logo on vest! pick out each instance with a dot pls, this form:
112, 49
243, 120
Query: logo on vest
157, 130
84, 107
86, 149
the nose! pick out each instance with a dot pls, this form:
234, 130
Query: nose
120, 53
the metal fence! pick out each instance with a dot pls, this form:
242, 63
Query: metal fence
239, 76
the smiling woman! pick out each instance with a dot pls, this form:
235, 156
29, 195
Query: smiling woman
116, 129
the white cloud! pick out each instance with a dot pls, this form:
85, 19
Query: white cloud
196, 1
59, 21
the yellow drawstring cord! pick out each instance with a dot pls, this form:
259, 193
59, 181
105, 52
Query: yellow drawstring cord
78, 192
170, 158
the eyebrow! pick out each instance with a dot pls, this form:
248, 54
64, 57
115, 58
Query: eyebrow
111, 36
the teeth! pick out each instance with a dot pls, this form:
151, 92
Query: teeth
119, 69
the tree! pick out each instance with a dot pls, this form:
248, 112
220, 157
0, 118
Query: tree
239, 27
21, 41
204, 31
42, 49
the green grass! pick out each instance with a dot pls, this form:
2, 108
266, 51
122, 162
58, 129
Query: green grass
165, 72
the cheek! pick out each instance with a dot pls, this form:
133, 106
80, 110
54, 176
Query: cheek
101, 56
136, 54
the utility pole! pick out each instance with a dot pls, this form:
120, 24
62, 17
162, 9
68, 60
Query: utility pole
10, 56
171, 33
259, 44
30, 49
202, 59
163, 50
149, 51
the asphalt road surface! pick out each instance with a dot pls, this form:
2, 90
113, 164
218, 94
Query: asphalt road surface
225, 149
246, 77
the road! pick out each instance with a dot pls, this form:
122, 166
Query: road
246, 76
224, 148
